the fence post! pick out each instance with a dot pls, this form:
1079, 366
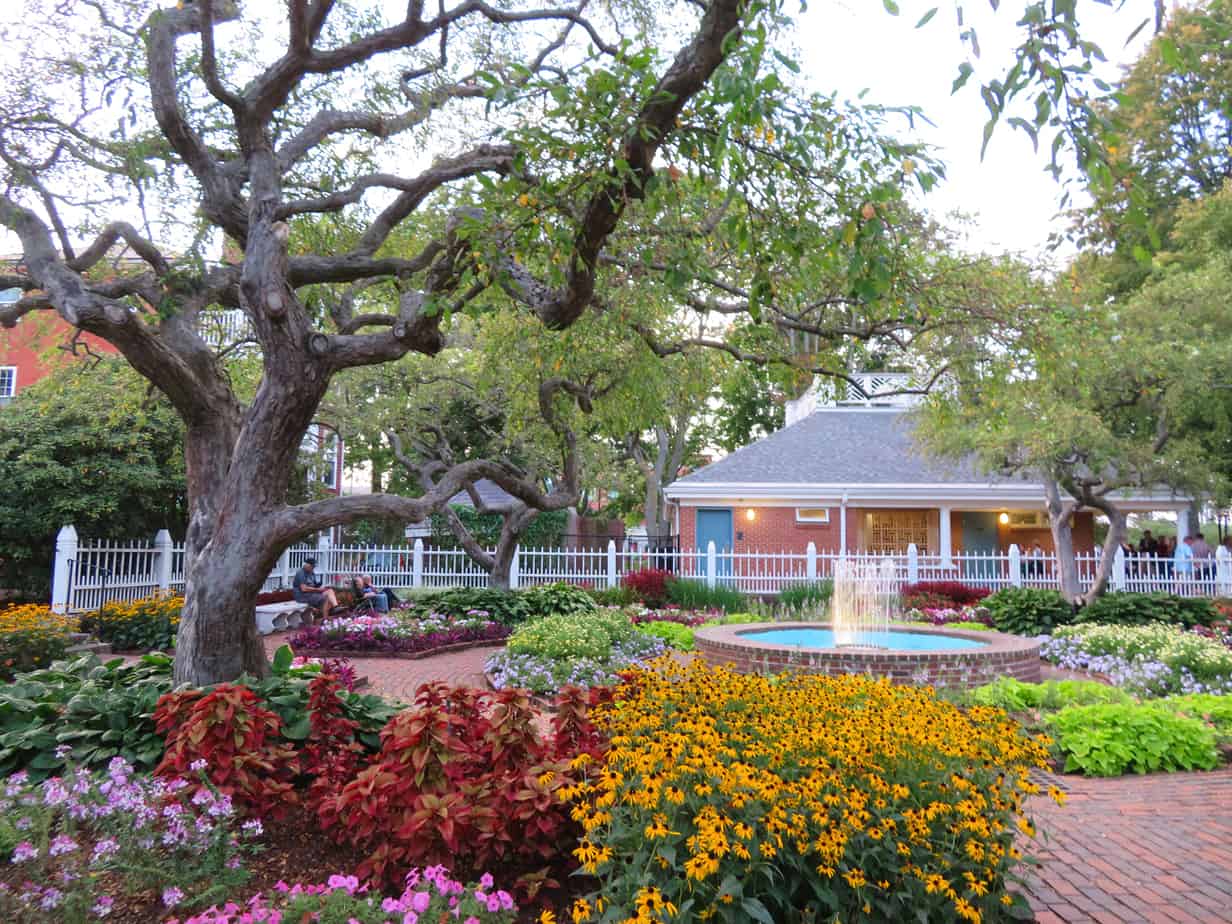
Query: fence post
1223, 572
284, 568
810, 562
712, 571
611, 563
62, 569
417, 564
1015, 565
162, 562
913, 564
1118, 569
515, 568
324, 556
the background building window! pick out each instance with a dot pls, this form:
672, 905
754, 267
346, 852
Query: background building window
894, 530
8, 383
812, 515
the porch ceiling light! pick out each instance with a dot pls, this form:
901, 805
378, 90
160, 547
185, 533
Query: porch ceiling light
1004, 519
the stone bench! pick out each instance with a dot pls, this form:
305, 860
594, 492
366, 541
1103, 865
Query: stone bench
276, 617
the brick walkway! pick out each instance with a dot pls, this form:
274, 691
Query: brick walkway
1131, 850
1154, 849
397, 678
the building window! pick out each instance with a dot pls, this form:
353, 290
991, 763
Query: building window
8, 383
329, 460
812, 515
894, 530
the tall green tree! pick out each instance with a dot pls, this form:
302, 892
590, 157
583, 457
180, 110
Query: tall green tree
89, 445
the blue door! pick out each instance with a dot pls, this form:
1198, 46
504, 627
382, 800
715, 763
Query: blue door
715, 525
979, 537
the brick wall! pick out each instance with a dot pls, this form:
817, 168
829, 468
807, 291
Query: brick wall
33, 346
774, 529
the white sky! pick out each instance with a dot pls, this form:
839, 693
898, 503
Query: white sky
852, 45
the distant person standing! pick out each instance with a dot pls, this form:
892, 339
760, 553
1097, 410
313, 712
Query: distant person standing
1183, 561
1148, 545
1204, 557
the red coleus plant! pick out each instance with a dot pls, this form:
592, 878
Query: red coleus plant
239, 742
466, 778
649, 585
332, 754
930, 594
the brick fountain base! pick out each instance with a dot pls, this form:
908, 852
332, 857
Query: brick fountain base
999, 655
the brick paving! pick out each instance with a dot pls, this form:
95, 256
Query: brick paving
1135, 850
1153, 849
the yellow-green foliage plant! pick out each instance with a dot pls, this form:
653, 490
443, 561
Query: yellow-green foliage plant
801, 798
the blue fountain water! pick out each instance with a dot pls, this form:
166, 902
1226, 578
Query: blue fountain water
895, 641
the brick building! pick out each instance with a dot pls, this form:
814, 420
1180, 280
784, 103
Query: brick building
847, 475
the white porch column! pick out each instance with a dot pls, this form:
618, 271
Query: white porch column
1182, 524
947, 545
842, 526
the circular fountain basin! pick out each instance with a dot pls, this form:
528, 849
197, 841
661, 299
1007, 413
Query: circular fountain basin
937, 656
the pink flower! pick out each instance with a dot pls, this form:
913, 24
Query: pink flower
486, 881
420, 902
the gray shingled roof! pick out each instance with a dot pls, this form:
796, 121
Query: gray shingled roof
489, 492
845, 446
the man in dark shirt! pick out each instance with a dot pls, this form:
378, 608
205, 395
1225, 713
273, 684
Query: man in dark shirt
306, 588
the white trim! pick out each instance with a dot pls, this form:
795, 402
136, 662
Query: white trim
993, 496
825, 518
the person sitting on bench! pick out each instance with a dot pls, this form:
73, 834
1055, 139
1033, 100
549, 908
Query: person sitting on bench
306, 588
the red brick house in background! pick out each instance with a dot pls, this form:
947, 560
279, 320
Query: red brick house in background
848, 476
37, 346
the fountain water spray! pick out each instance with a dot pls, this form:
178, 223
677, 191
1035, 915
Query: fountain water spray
863, 602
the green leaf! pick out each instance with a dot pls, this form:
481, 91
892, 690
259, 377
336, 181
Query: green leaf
891, 7
282, 659
926, 18
965, 70
757, 911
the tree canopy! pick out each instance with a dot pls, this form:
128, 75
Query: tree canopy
89, 445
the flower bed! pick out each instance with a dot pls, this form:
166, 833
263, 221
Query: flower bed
947, 615
397, 633
581, 650
430, 895
147, 624
745, 797
32, 636
77, 844
1152, 660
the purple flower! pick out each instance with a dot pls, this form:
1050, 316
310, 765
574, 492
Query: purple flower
24, 851
102, 907
104, 848
172, 896
486, 881
198, 765
51, 898
420, 902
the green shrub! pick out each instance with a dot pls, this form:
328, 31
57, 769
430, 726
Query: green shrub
561, 637
505, 606
1028, 610
559, 599
807, 596
1128, 609
1217, 710
1015, 696
612, 596
677, 636
695, 595
1109, 739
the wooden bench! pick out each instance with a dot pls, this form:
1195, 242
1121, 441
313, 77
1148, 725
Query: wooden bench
276, 617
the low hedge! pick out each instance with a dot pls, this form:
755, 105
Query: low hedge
1132, 609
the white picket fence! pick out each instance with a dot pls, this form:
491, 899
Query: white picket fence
88, 573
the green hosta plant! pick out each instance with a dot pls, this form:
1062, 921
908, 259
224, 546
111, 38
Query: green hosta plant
559, 599
1112, 738
1028, 610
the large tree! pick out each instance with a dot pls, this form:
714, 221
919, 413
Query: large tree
374, 177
